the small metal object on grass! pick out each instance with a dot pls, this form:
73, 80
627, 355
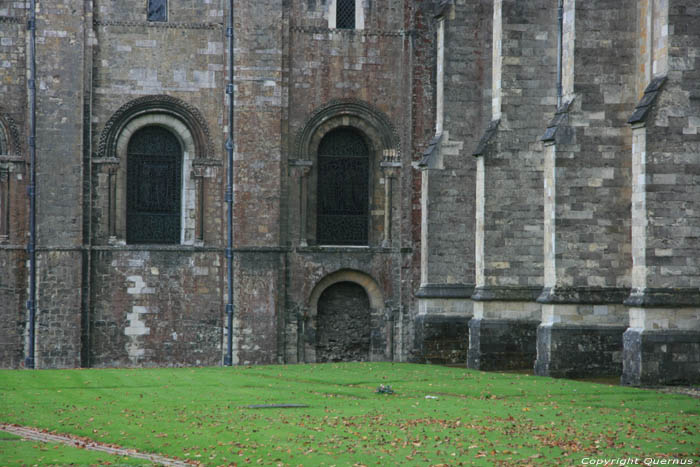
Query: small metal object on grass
275, 406
384, 389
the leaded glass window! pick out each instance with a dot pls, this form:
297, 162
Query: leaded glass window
4, 145
4, 203
345, 14
343, 189
157, 10
154, 179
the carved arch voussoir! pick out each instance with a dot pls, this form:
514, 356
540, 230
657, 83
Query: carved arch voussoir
11, 133
337, 109
367, 282
177, 108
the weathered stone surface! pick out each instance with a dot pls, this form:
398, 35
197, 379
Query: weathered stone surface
579, 351
13, 310
343, 324
661, 357
501, 344
441, 338
155, 307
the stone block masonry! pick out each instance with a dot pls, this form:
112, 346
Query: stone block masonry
155, 307
59, 129
13, 311
13, 184
575, 253
660, 345
440, 338
447, 254
587, 182
509, 228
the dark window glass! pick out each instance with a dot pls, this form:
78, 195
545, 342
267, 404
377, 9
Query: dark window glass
4, 149
4, 204
343, 189
154, 177
157, 10
345, 14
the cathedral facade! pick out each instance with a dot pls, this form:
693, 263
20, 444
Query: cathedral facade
508, 184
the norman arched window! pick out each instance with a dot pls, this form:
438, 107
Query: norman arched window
343, 189
154, 186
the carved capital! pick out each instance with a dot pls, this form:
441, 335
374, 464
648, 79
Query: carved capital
300, 167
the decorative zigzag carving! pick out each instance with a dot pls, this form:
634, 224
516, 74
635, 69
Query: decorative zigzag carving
342, 107
188, 114
13, 133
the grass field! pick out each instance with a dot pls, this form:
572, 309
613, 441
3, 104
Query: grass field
475, 418
16, 451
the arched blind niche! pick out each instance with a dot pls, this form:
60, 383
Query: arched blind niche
343, 189
154, 186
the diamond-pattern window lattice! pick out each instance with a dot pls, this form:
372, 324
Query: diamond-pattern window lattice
153, 180
3, 140
345, 14
343, 189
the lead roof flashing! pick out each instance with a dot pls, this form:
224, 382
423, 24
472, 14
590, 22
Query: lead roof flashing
431, 151
488, 134
641, 112
442, 9
559, 119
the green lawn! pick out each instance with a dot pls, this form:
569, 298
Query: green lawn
17, 451
477, 419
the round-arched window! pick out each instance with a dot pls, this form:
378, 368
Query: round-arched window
343, 189
4, 143
154, 186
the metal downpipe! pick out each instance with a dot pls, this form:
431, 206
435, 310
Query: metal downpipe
228, 359
560, 49
29, 361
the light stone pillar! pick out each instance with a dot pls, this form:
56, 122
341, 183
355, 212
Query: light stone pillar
391, 166
301, 170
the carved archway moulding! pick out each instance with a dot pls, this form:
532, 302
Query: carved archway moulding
371, 287
189, 115
11, 133
351, 109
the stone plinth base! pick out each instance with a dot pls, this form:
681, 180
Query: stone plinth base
500, 344
579, 351
442, 339
661, 357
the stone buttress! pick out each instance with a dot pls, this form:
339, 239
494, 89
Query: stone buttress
509, 227
662, 343
587, 184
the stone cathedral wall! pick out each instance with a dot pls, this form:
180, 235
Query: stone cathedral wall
510, 224
13, 184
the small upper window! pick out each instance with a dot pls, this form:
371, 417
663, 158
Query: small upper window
157, 10
345, 14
